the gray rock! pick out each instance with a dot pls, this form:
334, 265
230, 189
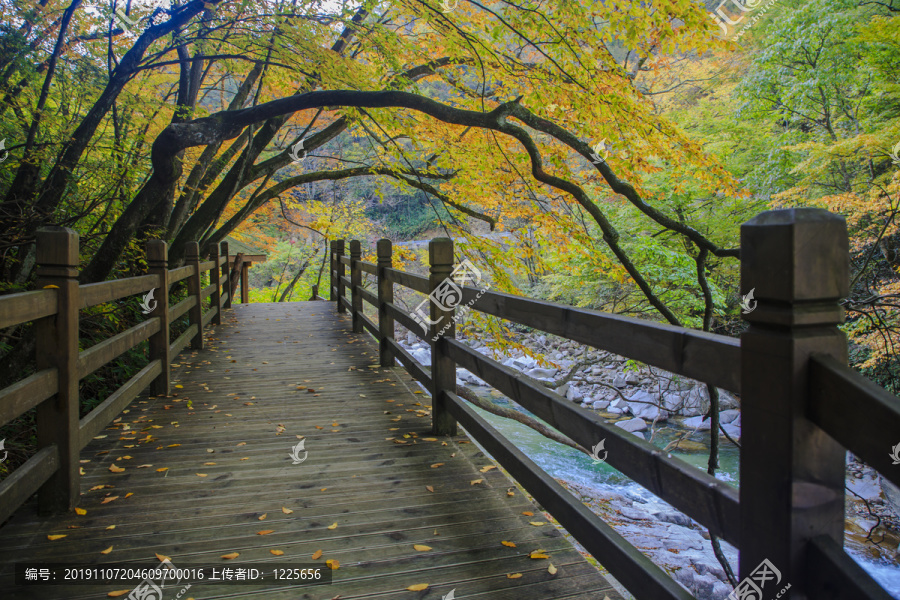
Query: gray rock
734, 432
676, 518
639, 434
600, 404
619, 381
631, 378
698, 423
727, 416
563, 390
574, 394
720, 591
539, 373
633, 425
672, 401
635, 514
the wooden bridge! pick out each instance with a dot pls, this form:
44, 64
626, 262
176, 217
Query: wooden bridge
207, 469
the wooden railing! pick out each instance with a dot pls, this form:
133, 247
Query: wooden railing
789, 367
53, 471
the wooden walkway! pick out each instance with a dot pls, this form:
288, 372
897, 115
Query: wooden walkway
215, 479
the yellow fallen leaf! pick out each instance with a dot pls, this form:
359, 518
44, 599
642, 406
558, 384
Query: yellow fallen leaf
208, 464
538, 554
333, 564
111, 527
510, 493
429, 488
418, 587
109, 499
436, 465
422, 547
98, 487
263, 517
333, 525
80, 511
116, 469
53, 538
476, 481
429, 439
173, 445
323, 489
200, 474
129, 494
487, 468
162, 558
107, 551
230, 556
144, 466
510, 544
162, 469
286, 511
117, 593
513, 575
317, 555
179, 386
536, 523
265, 532
81, 470
551, 569
527, 513
277, 552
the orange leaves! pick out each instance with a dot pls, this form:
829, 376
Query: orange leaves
509, 544
116, 469
333, 564
109, 499
286, 510
277, 552
107, 551
262, 517
429, 488
436, 465
536, 554
231, 555
418, 587
265, 532
317, 555
513, 575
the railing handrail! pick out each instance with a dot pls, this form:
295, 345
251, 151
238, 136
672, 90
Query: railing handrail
792, 400
53, 389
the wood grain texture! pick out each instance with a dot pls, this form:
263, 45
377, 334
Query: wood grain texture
248, 408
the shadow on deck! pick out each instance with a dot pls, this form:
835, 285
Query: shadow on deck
217, 478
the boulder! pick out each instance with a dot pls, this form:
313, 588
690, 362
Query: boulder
600, 404
539, 373
619, 381
633, 425
631, 378
574, 394
731, 430
698, 423
675, 518
635, 514
563, 390
727, 416
422, 356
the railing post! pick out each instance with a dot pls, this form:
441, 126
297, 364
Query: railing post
214, 274
195, 314
158, 263
385, 295
332, 270
226, 275
445, 295
355, 284
796, 262
56, 346
339, 253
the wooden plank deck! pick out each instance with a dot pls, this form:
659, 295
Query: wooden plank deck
228, 476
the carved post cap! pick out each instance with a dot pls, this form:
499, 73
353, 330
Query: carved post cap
56, 247
440, 254
192, 251
384, 248
157, 252
355, 249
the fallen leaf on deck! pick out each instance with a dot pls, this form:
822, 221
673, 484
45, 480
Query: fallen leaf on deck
527, 513
53, 538
429, 488
230, 556
143, 466
80, 511
277, 552
117, 593
263, 517
535, 523
129, 494
163, 558
487, 468
418, 587
510, 544
111, 527
200, 474
173, 445
513, 575
265, 532
422, 547
333, 525
209, 464
538, 554
109, 499
115, 469
436, 465
551, 569
429, 439
162, 469
333, 564
476, 481
242, 444
107, 551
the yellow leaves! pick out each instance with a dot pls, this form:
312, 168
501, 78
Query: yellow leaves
117, 593
109, 499
487, 468
429, 439
537, 523
208, 464
162, 469
277, 552
265, 532
436, 465
262, 517
418, 587
231, 555
286, 510
551, 569
53, 538
173, 445
162, 558
80, 511
179, 386
527, 513
333, 525
429, 488
200, 474
114, 468
422, 547
476, 481
513, 575
111, 527
317, 555
509, 544
143, 466
536, 554
107, 551
333, 564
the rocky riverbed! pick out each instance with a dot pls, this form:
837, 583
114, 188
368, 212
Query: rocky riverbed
668, 410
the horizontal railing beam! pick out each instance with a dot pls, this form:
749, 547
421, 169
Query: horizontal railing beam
404, 318
420, 373
180, 309
27, 479
94, 422
413, 282
367, 267
26, 306
183, 340
706, 357
176, 275
368, 296
834, 575
93, 294
695, 493
368, 324
27, 393
99, 354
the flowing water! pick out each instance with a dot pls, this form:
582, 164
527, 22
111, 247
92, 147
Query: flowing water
571, 466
